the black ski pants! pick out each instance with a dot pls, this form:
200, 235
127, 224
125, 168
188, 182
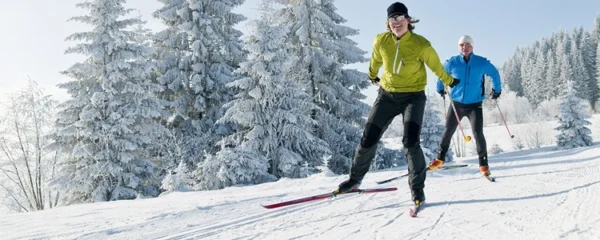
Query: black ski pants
474, 112
386, 107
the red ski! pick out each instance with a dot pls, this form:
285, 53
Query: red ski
326, 196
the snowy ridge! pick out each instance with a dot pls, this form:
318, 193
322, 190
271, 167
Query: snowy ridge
539, 194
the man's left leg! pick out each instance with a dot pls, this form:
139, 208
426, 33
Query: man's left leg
413, 119
476, 118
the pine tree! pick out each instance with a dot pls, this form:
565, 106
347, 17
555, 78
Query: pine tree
565, 75
563, 42
511, 73
527, 68
568, 57
580, 75
572, 119
273, 115
588, 51
595, 68
595, 35
184, 142
537, 77
552, 76
432, 130
387, 157
176, 180
598, 66
323, 47
233, 166
197, 54
108, 123
562, 71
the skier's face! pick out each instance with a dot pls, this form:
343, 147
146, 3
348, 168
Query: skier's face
398, 24
465, 48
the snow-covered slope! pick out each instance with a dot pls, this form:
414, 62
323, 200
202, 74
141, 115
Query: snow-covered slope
539, 194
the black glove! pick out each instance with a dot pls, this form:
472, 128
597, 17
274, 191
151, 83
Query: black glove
495, 95
374, 80
442, 93
455, 82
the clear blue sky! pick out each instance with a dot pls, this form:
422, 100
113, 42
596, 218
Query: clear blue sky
33, 32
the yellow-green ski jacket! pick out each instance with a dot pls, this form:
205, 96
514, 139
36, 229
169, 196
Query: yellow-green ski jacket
404, 62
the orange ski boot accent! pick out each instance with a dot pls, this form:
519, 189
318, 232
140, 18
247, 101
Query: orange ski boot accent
436, 164
485, 171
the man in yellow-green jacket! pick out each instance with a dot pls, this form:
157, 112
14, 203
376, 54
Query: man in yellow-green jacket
403, 55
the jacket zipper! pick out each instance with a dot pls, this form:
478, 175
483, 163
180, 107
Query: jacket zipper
396, 58
468, 70
468, 74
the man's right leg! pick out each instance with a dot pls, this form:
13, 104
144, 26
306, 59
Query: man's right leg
476, 117
383, 112
451, 124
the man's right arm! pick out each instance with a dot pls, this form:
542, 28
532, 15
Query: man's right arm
376, 60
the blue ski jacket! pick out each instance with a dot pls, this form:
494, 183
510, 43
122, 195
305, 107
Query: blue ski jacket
471, 88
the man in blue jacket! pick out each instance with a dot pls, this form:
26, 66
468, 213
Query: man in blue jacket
467, 96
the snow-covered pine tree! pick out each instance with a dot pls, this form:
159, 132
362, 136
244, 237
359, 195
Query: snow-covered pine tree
184, 142
588, 51
432, 130
233, 166
387, 157
176, 180
527, 68
580, 75
595, 69
552, 75
197, 54
572, 119
533, 89
595, 33
565, 75
598, 66
323, 47
143, 35
108, 123
273, 116
511, 72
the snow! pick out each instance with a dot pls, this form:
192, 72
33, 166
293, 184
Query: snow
540, 193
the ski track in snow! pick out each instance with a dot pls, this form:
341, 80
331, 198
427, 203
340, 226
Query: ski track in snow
539, 194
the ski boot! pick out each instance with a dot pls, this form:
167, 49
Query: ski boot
418, 197
348, 185
436, 164
485, 171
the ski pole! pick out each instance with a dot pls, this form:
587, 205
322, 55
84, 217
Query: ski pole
445, 110
467, 138
502, 116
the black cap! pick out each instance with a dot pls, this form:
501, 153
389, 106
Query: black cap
397, 8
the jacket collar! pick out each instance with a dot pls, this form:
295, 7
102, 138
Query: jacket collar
404, 38
462, 57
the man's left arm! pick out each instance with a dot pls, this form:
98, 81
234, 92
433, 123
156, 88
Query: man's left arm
431, 58
493, 73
